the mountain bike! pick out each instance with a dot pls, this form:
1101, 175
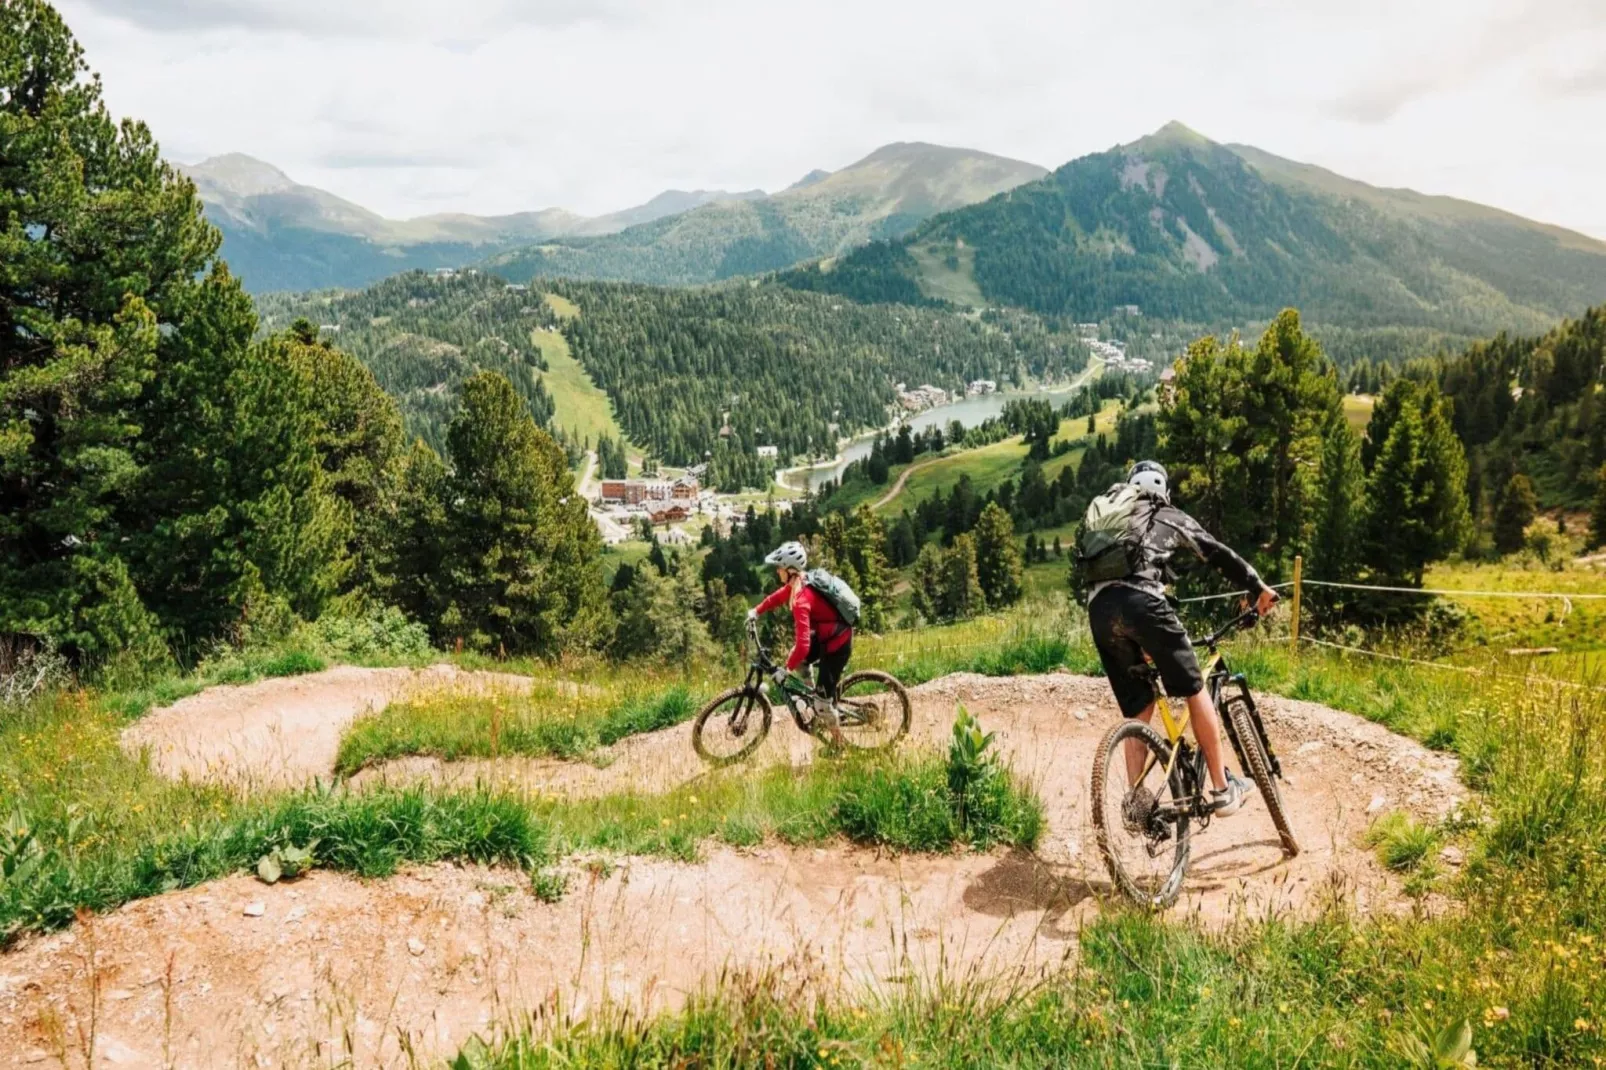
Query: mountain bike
872, 706
1144, 826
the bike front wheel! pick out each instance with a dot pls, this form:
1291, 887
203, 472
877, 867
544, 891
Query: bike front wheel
1142, 824
875, 710
732, 726
1258, 766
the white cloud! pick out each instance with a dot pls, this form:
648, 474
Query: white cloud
411, 106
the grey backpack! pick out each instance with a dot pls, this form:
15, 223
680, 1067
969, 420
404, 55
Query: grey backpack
837, 592
1111, 542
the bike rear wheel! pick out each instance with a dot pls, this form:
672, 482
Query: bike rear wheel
1258, 766
732, 726
1143, 829
874, 708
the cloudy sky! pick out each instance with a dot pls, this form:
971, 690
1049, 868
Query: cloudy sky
486, 106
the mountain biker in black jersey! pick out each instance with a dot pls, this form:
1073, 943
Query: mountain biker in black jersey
1130, 617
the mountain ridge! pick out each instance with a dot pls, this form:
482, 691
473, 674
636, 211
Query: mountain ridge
1189, 229
280, 234
883, 194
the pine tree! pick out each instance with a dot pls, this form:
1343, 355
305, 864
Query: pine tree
679, 635
903, 545
1513, 513
412, 562
998, 559
106, 260
1340, 503
926, 583
358, 438
1416, 497
1244, 432
522, 573
903, 450
962, 596
865, 549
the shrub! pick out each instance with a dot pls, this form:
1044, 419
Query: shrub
384, 632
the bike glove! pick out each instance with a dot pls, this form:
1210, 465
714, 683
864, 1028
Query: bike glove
779, 676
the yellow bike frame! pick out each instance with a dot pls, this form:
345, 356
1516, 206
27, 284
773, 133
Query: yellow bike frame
1173, 727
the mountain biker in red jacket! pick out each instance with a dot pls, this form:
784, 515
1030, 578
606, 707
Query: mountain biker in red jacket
821, 636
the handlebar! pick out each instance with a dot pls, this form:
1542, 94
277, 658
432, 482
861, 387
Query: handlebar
1244, 621
761, 656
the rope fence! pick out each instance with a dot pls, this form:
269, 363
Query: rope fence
1452, 592
1465, 669
1003, 636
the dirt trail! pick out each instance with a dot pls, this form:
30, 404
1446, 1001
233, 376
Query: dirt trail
285, 731
897, 488
442, 952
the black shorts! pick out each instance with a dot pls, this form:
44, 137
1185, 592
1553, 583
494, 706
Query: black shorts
1128, 623
829, 677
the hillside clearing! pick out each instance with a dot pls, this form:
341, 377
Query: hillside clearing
579, 406
956, 283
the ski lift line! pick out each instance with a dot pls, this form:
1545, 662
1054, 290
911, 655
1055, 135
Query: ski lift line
1466, 669
1452, 593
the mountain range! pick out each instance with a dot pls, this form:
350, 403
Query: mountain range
1178, 227
884, 195
282, 235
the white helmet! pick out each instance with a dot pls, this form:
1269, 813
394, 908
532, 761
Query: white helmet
1149, 476
790, 555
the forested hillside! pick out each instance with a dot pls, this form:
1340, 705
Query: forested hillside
883, 195
775, 366
1190, 230
423, 336
778, 367
1532, 412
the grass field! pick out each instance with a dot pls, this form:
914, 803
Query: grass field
1358, 410
988, 466
940, 281
582, 407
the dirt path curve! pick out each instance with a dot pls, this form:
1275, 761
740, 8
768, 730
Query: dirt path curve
286, 731
897, 488
238, 973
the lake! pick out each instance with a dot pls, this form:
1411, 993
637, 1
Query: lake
968, 411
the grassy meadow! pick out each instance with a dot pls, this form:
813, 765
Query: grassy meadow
581, 408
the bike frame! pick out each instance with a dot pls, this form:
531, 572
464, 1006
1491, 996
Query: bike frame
1217, 678
759, 670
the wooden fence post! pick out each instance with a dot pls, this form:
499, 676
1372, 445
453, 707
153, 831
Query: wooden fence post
1299, 588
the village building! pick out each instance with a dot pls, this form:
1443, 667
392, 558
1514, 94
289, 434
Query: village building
668, 513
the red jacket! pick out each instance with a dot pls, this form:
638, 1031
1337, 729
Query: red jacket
813, 616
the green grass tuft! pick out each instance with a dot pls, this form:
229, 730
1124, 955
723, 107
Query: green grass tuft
555, 720
1403, 844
